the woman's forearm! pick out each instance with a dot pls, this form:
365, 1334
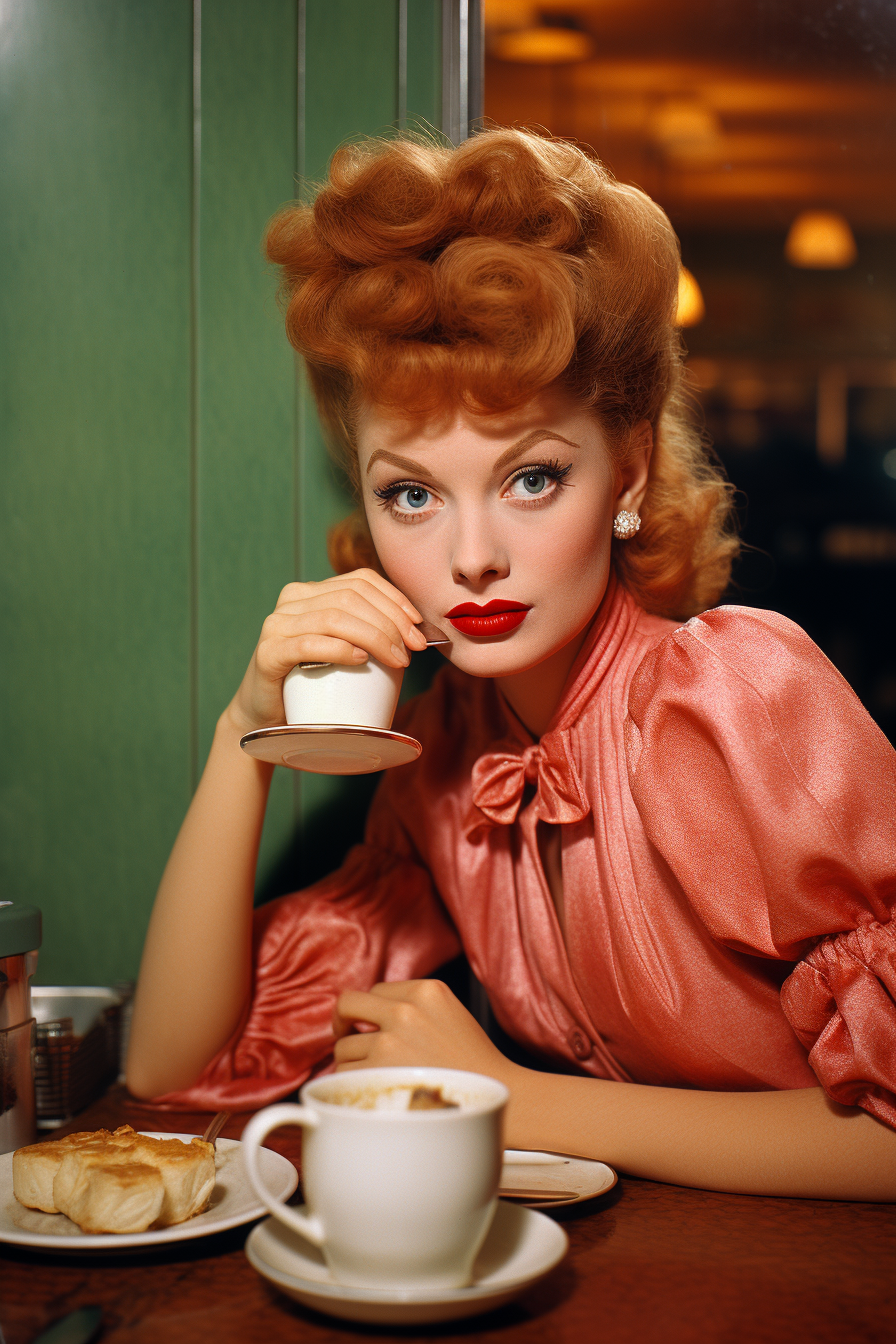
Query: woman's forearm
195, 973
796, 1143
755, 1143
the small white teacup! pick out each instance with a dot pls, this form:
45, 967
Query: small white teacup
365, 696
397, 1199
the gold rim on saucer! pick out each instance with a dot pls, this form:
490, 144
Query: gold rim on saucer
331, 748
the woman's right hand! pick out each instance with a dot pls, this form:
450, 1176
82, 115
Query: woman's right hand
340, 620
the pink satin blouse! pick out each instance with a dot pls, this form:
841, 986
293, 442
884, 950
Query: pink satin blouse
728, 840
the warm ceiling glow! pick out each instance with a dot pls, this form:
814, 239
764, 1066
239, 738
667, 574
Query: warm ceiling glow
691, 308
543, 46
820, 240
688, 131
510, 13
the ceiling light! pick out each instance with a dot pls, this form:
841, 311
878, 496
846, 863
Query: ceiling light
510, 13
820, 240
688, 131
543, 46
691, 308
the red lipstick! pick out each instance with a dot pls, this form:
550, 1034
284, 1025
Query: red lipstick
498, 617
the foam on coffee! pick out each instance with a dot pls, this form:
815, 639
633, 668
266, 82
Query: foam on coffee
400, 1098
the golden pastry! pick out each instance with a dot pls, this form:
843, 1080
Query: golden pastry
116, 1182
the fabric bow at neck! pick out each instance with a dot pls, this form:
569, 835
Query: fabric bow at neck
501, 775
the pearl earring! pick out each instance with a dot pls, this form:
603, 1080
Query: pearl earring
626, 524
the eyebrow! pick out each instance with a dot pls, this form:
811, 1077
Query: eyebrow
526, 443
510, 455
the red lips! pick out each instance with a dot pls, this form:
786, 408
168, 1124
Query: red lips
496, 618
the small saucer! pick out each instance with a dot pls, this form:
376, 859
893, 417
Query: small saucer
564, 1179
331, 748
521, 1247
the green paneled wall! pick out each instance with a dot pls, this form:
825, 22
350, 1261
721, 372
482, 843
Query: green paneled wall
245, 528
164, 474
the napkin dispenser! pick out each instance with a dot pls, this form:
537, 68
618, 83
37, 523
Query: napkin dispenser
20, 936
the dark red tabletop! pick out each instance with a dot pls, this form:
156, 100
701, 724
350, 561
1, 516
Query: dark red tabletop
648, 1264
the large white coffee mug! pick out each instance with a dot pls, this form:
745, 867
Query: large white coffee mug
365, 696
396, 1199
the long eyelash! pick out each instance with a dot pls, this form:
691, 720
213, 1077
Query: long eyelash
554, 469
386, 493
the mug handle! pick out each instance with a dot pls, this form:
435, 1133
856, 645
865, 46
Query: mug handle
259, 1127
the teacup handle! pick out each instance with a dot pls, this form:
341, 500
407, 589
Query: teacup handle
259, 1127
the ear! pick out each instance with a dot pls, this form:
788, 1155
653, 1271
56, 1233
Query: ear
634, 471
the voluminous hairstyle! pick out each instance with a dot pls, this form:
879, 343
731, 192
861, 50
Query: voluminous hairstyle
424, 277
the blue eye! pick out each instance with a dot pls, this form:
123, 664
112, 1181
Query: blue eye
530, 484
534, 483
402, 501
415, 497
541, 479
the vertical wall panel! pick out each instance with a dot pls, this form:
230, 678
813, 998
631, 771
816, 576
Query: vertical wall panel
424, 63
246, 396
164, 475
95, 367
351, 89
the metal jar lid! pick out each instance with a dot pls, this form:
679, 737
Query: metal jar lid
20, 929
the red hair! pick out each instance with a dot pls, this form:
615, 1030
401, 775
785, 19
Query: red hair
424, 277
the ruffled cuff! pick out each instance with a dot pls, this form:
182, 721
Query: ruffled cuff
841, 1002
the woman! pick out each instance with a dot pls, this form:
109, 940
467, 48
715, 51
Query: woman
667, 850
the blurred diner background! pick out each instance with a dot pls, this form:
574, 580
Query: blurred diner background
767, 131
165, 475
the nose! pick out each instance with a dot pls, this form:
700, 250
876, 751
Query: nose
478, 557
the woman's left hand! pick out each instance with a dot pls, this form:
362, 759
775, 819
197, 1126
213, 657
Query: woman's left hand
419, 1022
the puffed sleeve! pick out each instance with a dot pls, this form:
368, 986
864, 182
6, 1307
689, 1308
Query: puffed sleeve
377, 918
771, 794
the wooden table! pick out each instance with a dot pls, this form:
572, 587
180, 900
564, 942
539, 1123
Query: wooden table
647, 1263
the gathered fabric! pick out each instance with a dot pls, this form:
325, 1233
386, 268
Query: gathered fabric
501, 775
727, 830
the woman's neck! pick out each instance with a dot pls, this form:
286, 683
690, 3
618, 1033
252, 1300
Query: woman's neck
533, 695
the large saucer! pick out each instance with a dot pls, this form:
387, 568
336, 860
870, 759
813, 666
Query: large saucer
331, 748
233, 1202
521, 1247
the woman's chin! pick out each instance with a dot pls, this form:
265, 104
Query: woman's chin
500, 657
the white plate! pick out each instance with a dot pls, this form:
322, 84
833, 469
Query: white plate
580, 1176
521, 1248
232, 1203
331, 748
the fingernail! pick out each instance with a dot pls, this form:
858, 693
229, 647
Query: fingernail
418, 638
401, 654
413, 613
359, 655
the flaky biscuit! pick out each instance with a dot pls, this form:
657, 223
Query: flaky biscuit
104, 1192
82, 1177
34, 1168
188, 1173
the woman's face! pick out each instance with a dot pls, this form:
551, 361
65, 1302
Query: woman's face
512, 513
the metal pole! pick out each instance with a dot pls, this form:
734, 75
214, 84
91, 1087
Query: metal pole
462, 67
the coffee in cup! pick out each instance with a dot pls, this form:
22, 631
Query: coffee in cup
399, 1196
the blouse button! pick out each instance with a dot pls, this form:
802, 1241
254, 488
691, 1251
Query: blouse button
580, 1044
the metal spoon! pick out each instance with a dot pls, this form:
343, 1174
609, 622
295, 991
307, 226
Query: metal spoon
508, 1192
432, 634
